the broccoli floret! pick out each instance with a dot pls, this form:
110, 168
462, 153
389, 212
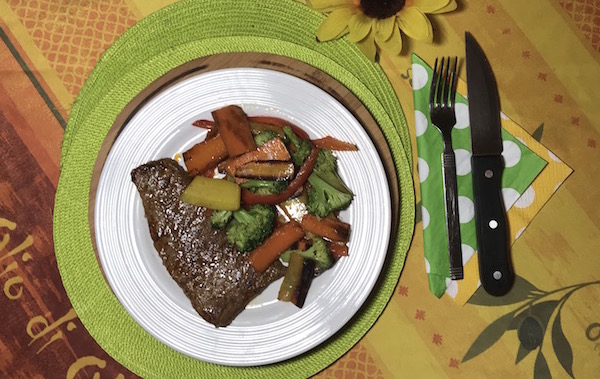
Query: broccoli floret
326, 160
326, 168
219, 219
318, 252
249, 228
324, 198
264, 137
301, 146
264, 187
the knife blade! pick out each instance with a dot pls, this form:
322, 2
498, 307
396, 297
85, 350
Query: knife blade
495, 269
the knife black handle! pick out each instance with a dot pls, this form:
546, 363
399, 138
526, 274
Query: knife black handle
495, 270
452, 217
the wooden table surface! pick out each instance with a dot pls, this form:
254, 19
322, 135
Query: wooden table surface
546, 57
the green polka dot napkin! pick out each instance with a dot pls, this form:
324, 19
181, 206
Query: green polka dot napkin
522, 166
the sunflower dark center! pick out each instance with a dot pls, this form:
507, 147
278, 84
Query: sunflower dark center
381, 9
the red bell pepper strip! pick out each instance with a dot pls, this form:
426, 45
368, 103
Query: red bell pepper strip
208, 125
250, 198
331, 143
204, 124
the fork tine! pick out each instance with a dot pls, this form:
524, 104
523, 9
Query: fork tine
447, 84
453, 83
439, 98
434, 85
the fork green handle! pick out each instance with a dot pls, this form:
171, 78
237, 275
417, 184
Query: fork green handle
452, 216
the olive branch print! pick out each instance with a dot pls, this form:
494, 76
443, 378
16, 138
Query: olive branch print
531, 321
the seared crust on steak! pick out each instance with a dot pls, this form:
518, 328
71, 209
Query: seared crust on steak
214, 275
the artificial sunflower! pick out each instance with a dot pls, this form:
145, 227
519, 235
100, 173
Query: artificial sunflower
373, 24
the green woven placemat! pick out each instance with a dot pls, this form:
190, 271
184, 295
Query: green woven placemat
165, 40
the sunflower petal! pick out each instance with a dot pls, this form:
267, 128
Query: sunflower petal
433, 6
367, 46
415, 24
359, 26
392, 45
384, 28
335, 25
327, 5
448, 8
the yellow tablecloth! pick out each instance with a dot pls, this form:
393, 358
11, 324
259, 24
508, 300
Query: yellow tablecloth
545, 55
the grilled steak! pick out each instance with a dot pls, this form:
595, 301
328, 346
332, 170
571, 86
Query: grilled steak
214, 275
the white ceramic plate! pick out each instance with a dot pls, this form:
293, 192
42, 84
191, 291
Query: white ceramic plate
267, 331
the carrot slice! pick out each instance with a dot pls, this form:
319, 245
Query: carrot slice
331, 143
204, 155
234, 127
273, 150
337, 249
279, 241
334, 230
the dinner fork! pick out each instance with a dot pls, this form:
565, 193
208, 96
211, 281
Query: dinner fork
441, 110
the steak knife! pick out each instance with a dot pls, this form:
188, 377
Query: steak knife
495, 270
